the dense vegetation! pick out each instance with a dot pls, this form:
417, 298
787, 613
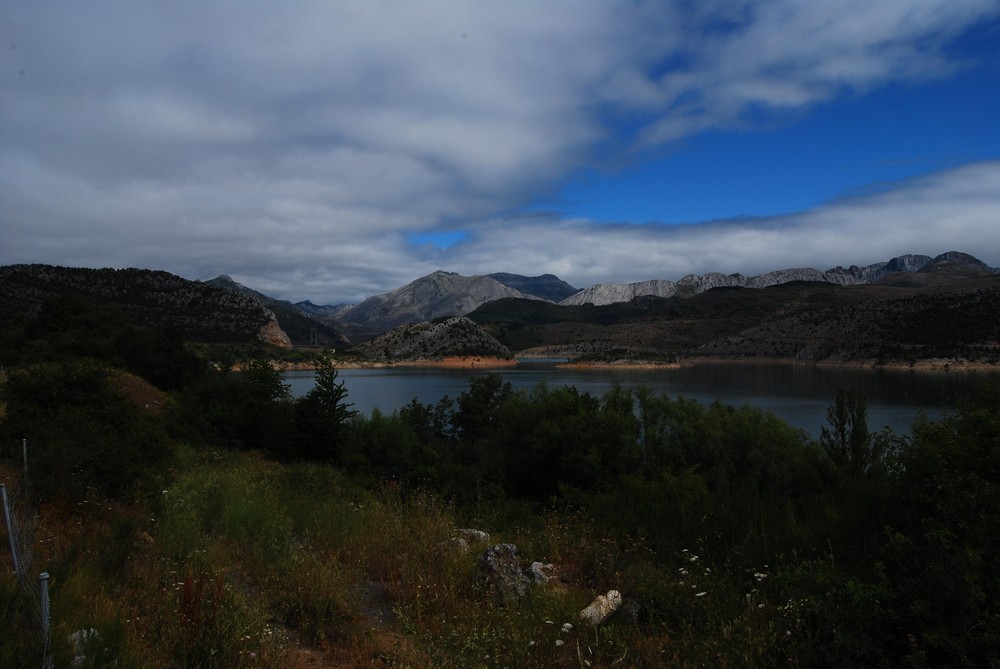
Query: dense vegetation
196, 517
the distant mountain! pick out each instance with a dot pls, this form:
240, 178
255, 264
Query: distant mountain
201, 311
956, 264
875, 273
934, 316
547, 286
302, 328
456, 336
437, 295
323, 311
694, 284
952, 264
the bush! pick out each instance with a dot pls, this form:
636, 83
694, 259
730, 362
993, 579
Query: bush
81, 432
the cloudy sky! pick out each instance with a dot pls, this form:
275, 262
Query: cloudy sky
334, 149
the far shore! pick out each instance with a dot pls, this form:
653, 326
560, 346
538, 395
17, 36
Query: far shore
480, 362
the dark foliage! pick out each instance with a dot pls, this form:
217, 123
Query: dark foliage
81, 433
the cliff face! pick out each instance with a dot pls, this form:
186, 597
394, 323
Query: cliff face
692, 284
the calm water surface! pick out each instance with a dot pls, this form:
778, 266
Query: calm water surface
799, 395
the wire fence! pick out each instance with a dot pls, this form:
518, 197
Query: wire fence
21, 523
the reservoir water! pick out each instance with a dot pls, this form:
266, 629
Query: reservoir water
799, 394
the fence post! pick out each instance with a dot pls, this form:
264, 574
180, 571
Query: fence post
11, 534
43, 588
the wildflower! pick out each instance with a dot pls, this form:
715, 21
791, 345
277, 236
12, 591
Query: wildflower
701, 594
567, 627
559, 642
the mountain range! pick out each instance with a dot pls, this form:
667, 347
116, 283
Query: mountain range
719, 314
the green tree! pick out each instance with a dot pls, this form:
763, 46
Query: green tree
321, 414
848, 441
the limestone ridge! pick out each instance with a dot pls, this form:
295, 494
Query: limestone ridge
692, 284
437, 295
952, 263
428, 341
875, 273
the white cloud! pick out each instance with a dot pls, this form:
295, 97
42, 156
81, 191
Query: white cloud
296, 145
954, 210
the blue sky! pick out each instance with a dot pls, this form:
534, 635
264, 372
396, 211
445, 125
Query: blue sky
839, 148
331, 151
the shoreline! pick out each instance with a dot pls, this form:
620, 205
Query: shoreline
936, 365
452, 362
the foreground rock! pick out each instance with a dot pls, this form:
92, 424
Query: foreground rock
602, 607
499, 573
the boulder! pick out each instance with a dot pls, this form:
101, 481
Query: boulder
602, 607
542, 573
499, 572
473, 536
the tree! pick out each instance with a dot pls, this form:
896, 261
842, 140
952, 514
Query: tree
322, 413
848, 442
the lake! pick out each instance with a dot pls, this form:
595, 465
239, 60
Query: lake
799, 394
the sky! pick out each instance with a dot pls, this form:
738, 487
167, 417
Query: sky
333, 150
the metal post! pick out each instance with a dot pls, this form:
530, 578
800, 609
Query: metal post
10, 531
43, 587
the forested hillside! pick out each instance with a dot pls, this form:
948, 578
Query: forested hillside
149, 298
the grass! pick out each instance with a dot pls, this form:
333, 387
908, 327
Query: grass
242, 562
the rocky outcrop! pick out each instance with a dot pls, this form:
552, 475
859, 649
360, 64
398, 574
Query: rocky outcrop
272, 334
602, 607
499, 573
429, 341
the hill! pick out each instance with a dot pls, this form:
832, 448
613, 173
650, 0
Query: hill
456, 336
200, 311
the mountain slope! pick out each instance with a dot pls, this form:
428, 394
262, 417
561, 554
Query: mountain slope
437, 295
201, 311
302, 328
547, 286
